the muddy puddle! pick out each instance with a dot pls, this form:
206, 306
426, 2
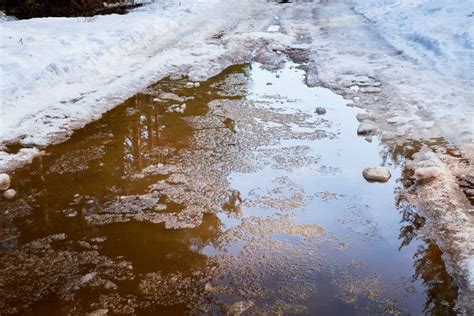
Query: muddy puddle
227, 196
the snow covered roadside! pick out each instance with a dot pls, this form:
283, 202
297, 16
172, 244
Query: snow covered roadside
437, 33
438, 37
60, 73
57, 72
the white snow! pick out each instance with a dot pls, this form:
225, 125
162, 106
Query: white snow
439, 33
49, 62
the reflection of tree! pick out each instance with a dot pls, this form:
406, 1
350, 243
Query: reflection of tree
149, 129
411, 224
151, 247
113, 153
136, 144
440, 289
110, 151
232, 206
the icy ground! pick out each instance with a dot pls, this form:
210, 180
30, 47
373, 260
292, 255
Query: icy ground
409, 63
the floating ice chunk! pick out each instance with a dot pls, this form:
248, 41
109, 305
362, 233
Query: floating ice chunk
171, 96
87, 278
238, 308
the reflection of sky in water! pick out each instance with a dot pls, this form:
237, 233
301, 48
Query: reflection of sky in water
345, 157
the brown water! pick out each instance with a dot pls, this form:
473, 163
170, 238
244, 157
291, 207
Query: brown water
244, 200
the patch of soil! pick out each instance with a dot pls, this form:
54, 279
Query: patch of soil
22, 9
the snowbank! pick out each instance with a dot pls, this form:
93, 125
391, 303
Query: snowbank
59, 73
438, 33
438, 37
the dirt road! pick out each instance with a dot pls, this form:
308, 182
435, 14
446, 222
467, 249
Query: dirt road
232, 195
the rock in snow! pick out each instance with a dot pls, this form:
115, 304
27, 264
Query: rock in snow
4, 181
9, 194
377, 174
364, 117
320, 111
426, 173
366, 129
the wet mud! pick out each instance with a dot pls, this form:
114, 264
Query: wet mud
230, 196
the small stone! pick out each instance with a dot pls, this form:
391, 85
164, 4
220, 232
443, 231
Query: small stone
4, 181
190, 85
9, 194
366, 129
376, 174
426, 173
197, 84
320, 111
71, 214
